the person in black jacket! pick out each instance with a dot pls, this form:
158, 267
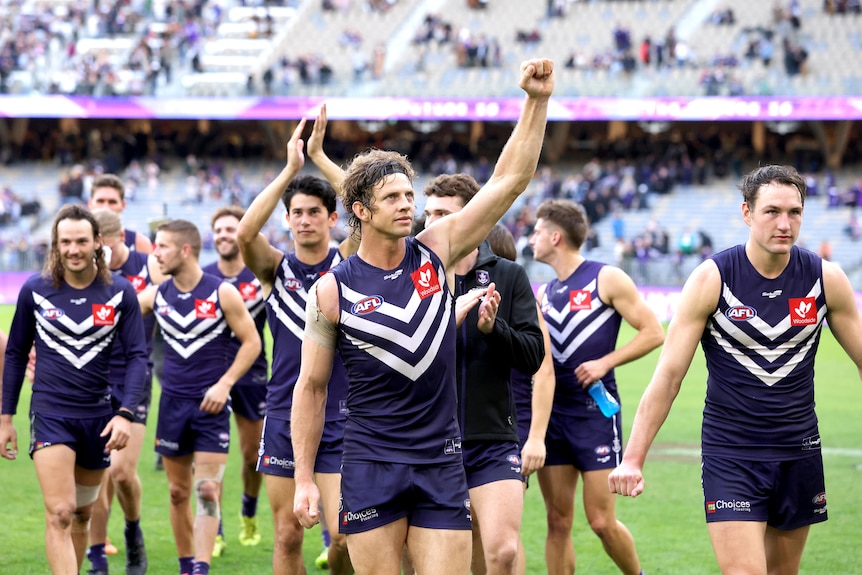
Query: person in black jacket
498, 329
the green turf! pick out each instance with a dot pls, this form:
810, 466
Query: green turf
666, 521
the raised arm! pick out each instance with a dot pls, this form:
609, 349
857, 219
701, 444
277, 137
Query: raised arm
308, 412
330, 170
842, 315
461, 233
259, 256
698, 300
242, 325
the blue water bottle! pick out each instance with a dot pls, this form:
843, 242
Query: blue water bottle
606, 402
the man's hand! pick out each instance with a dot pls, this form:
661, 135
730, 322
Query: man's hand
537, 77
119, 430
532, 456
295, 157
488, 309
8, 438
306, 504
215, 398
627, 479
318, 131
590, 372
464, 303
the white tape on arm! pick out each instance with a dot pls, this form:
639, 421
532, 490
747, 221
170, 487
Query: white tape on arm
317, 326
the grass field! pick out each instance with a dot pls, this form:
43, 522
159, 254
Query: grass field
667, 521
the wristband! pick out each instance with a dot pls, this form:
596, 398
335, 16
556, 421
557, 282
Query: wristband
127, 415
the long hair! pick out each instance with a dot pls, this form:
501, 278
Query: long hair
366, 171
54, 270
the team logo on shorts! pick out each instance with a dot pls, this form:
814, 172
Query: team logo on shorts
138, 282
819, 499
580, 300
513, 459
740, 313
367, 305
426, 281
710, 506
205, 309
247, 290
103, 314
52, 313
41, 445
603, 450
292, 284
803, 311
483, 277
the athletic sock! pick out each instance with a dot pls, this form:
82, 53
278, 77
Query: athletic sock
220, 531
249, 505
97, 557
133, 531
327, 539
186, 565
201, 568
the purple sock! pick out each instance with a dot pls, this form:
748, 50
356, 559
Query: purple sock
201, 568
249, 505
186, 565
326, 538
97, 557
133, 532
220, 532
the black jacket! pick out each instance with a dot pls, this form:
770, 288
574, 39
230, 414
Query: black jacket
486, 408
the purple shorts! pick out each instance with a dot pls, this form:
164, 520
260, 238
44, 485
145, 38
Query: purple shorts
587, 443
80, 434
489, 461
249, 401
275, 455
784, 494
183, 428
375, 494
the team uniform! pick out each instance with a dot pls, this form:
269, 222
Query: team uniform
130, 238
137, 271
286, 317
248, 395
522, 392
402, 442
75, 331
760, 441
486, 404
582, 328
197, 351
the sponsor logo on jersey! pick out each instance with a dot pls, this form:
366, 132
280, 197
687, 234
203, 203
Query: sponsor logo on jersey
103, 314
580, 300
205, 309
772, 294
361, 516
425, 280
812, 442
394, 275
79, 300
483, 277
819, 499
247, 290
803, 311
740, 313
52, 313
367, 305
452, 446
292, 284
138, 282
166, 309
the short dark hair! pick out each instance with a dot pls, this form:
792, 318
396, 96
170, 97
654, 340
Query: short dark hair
756, 179
461, 186
187, 232
569, 217
311, 186
110, 181
366, 171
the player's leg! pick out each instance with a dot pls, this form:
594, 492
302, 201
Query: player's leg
208, 473
784, 549
178, 471
477, 561
378, 551
288, 533
249, 431
558, 484
127, 484
438, 551
498, 507
600, 509
739, 546
330, 493
87, 484
99, 525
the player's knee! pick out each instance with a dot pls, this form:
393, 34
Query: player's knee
502, 557
179, 494
206, 491
558, 521
338, 541
81, 517
123, 476
60, 516
288, 538
602, 526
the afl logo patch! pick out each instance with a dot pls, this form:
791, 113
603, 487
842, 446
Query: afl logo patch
52, 313
292, 284
367, 305
741, 313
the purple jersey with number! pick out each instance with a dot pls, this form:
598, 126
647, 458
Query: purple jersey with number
397, 338
760, 345
582, 328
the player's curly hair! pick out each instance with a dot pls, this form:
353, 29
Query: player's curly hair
54, 270
366, 171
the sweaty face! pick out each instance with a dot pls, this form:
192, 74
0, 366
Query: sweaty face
437, 207
775, 218
106, 198
309, 221
76, 244
224, 235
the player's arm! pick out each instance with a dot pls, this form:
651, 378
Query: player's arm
143, 244
330, 170
698, 301
842, 315
455, 236
21, 336
619, 291
147, 299
544, 383
308, 412
240, 322
259, 256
